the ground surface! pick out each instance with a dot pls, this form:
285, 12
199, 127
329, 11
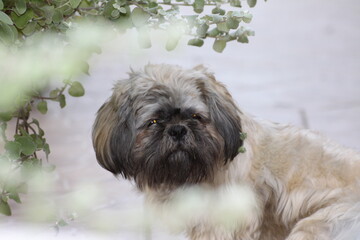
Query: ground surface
302, 67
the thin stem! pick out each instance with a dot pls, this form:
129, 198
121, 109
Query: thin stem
45, 98
31, 128
144, 9
17, 124
52, 98
184, 4
89, 8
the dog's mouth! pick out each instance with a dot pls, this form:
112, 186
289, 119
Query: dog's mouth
178, 157
180, 165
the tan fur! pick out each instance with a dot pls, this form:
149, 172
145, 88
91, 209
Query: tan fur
305, 186
104, 125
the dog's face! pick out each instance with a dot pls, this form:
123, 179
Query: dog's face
166, 127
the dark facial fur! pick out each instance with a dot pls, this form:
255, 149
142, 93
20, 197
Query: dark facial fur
166, 127
175, 150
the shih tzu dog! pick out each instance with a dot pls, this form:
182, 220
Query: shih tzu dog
168, 128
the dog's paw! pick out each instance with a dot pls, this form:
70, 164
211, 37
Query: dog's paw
303, 235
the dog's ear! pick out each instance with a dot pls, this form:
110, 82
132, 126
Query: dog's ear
223, 112
114, 133
227, 123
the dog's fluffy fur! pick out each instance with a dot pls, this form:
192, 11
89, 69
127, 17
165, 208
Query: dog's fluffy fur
168, 128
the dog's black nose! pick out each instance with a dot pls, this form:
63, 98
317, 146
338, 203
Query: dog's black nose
177, 132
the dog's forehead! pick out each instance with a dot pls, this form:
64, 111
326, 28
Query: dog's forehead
163, 87
166, 98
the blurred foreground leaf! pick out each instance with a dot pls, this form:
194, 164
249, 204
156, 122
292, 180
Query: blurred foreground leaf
5, 208
219, 45
44, 42
42, 107
20, 6
251, 3
76, 89
5, 18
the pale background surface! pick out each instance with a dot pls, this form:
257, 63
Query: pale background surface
302, 67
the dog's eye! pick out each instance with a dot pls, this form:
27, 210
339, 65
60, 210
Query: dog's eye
195, 116
152, 122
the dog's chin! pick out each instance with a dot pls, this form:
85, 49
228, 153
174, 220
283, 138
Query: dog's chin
178, 158
179, 166
175, 169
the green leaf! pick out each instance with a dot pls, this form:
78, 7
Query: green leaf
202, 30
235, 3
237, 14
30, 28
46, 150
191, 19
171, 44
22, 21
243, 136
54, 93
5, 208
58, 16
196, 42
108, 8
243, 39
228, 37
15, 196
48, 13
38, 141
144, 38
36, 122
62, 100
76, 89
251, 3
232, 23
247, 17
3, 127
20, 6
5, 116
5, 18
242, 149
213, 32
1, 5
115, 13
216, 18
219, 45
66, 9
28, 147
199, 6
123, 10
13, 149
15, 32
84, 66
139, 17
42, 107
250, 33
218, 11
152, 5
74, 3
222, 27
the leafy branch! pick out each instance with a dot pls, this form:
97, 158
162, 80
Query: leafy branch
22, 22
